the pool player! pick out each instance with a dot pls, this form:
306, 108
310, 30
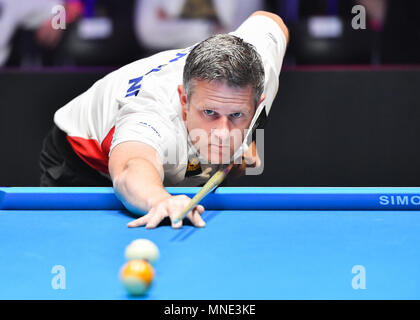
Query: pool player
170, 119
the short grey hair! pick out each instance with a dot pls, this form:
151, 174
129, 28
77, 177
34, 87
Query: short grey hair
227, 58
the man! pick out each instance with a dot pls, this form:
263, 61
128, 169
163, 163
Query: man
142, 126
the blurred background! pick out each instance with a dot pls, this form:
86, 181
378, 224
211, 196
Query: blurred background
114, 33
347, 109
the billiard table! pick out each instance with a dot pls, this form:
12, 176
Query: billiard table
259, 243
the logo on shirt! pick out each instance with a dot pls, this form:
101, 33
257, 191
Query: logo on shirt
151, 127
135, 84
193, 167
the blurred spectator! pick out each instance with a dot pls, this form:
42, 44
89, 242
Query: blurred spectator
322, 32
27, 32
104, 35
112, 33
376, 10
168, 24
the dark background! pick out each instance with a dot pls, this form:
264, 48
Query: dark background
341, 127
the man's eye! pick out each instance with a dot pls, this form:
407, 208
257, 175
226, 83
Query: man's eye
209, 112
236, 115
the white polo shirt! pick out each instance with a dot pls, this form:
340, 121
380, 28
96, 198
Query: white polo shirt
139, 102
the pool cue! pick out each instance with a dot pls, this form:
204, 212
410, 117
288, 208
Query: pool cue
210, 185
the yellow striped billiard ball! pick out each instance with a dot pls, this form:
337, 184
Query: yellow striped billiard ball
137, 276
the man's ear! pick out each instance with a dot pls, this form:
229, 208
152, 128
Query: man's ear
183, 100
262, 98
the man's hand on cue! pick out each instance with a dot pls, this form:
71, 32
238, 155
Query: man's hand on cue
250, 159
170, 207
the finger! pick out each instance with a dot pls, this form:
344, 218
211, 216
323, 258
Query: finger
258, 162
250, 160
155, 220
251, 156
200, 208
174, 214
139, 222
176, 225
196, 218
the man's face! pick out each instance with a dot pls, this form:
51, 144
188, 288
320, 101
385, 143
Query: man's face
217, 117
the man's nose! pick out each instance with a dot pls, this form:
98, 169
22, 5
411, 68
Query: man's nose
222, 131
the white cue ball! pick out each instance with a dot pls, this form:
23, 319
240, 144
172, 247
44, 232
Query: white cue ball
142, 249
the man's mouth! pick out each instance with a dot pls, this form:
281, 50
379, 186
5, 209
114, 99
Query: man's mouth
219, 147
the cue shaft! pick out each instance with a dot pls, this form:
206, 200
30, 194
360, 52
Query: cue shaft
213, 182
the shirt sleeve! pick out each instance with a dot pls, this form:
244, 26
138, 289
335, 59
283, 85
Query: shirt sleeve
141, 119
270, 42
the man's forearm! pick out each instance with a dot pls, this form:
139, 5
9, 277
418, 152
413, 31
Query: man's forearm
139, 186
